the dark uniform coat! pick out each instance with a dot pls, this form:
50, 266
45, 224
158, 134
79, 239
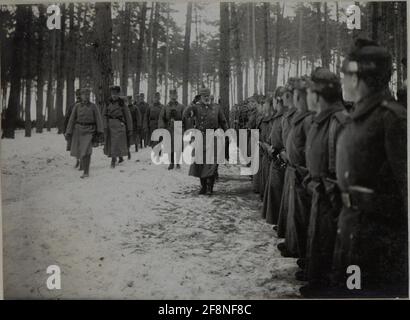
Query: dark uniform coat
286, 125
254, 121
117, 125
143, 107
326, 205
264, 130
298, 200
68, 113
273, 191
207, 117
371, 168
136, 124
151, 120
173, 111
84, 125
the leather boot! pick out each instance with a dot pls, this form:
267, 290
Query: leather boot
121, 160
203, 186
77, 163
113, 160
86, 163
210, 185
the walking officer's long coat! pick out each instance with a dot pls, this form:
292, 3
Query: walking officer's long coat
169, 114
117, 125
371, 168
286, 125
207, 117
273, 190
298, 200
325, 203
152, 120
69, 111
84, 125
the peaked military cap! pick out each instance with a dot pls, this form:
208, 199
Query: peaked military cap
115, 88
204, 92
322, 78
84, 90
173, 91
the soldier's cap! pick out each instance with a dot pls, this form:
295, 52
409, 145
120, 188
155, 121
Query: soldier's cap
204, 92
77, 92
290, 85
157, 94
322, 78
302, 83
142, 94
115, 89
173, 91
84, 90
279, 92
129, 97
367, 58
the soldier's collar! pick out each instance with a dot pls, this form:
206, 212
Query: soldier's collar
290, 112
367, 104
325, 114
300, 116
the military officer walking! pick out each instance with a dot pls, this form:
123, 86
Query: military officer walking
172, 112
371, 169
83, 129
117, 126
136, 124
67, 118
208, 116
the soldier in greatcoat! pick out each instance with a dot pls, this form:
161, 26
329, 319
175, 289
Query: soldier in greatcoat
152, 117
208, 116
117, 127
371, 170
324, 97
67, 118
136, 124
286, 125
84, 128
273, 190
172, 112
298, 201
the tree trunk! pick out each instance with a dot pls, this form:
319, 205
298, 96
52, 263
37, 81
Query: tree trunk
152, 77
267, 53
185, 65
279, 15
224, 62
40, 70
255, 63
60, 73
29, 74
140, 47
125, 47
71, 59
102, 50
237, 50
50, 83
167, 53
16, 73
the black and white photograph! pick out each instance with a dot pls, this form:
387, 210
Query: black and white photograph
204, 150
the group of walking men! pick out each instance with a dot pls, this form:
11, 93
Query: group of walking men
333, 176
122, 123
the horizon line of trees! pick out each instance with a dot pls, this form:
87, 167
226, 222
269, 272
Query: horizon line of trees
139, 45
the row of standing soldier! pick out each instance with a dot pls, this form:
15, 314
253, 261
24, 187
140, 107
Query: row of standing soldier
333, 178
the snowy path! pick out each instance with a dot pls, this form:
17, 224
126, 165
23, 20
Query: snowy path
135, 232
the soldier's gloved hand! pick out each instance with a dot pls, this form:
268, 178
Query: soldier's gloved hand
68, 136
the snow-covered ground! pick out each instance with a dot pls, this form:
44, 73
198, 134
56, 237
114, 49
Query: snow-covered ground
138, 231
